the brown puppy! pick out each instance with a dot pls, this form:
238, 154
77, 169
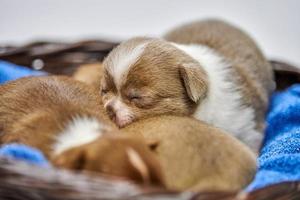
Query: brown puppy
208, 69
61, 117
50, 113
196, 156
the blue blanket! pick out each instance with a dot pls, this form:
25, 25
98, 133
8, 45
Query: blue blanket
279, 159
9, 71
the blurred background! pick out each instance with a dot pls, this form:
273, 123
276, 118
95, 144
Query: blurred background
274, 24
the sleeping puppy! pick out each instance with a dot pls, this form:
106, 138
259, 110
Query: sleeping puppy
50, 113
122, 157
208, 69
58, 114
188, 151
61, 117
194, 155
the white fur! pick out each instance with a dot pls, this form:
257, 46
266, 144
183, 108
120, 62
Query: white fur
79, 131
123, 60
223, 107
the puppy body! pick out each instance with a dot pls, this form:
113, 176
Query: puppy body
249, 71
89, 73
50, 113
62, 117
207, 69
190, 154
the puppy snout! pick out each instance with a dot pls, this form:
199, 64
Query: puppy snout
118, 113
110, 108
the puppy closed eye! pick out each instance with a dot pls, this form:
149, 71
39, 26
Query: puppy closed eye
104, 91
106, 86
140, 100
134, 97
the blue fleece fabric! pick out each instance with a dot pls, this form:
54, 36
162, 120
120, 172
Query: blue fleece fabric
279, 159
9, 71
23, 153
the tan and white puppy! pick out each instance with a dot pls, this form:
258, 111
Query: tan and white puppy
208, 69
63, 118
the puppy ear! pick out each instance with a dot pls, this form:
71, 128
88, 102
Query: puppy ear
195, 80
138, 164
74, 158
153, 144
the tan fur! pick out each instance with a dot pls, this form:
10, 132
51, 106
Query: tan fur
33, 111
195, 81
89, 73
111, 155
251, 69
196, 156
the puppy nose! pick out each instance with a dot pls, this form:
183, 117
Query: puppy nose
110, 108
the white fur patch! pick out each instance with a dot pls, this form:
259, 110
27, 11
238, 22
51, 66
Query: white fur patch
223, 107
79, 131
123, 60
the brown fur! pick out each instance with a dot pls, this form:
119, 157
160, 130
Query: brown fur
111, 156
89, 73
33, 111
196, 156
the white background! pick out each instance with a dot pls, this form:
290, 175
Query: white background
275, 24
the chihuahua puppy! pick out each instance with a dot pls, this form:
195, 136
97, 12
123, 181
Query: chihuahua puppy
194, 155
209, 69
62, 117
126, 157
50, 113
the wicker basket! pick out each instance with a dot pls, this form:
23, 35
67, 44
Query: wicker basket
21, 181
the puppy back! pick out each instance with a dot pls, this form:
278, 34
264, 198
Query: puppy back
190, 151
251, 71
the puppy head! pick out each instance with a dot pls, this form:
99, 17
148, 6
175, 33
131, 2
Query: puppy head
126, 157
144, 77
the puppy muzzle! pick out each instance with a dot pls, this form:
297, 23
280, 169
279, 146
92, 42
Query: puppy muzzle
119, 113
